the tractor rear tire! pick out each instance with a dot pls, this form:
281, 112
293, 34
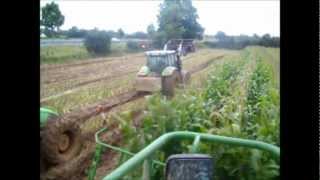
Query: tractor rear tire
61, 141
169, 83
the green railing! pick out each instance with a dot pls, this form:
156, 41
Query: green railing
145, 154
45, 113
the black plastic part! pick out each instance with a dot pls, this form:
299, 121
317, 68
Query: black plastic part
189, 167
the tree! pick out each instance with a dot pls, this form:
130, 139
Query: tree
138, 35
178, 19
151, 30
120, 33
266, 40
73, 32
221, 36
112, 33
51, 18
97, 42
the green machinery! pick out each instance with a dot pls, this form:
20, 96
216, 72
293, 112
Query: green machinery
45, 115
162, 72
183, 46
192, 166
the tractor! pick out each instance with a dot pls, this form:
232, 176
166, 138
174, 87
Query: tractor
183, 46
163, 72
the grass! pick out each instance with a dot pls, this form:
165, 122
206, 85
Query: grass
69, 53
61, 54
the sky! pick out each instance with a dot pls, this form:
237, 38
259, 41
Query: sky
234, 17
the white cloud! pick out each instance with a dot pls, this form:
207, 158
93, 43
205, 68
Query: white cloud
232, 17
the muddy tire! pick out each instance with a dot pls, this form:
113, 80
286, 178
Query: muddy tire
61, 141
169, 83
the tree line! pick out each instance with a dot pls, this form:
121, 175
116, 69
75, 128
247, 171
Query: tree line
75, 32
177, 19
221, 40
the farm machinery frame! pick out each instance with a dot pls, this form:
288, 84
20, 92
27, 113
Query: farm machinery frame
144, 156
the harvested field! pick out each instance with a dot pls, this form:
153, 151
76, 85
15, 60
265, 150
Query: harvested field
74, 86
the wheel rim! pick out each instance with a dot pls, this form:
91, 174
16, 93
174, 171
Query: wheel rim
64, 143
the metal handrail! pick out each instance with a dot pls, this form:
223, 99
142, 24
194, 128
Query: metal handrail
163, 140
98, 141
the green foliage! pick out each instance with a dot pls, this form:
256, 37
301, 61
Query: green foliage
178, 19
133, 46
74, 32
217, 110
61, 54
269, 41
97, 42
151, 30
120, 33
159, 39
220, 35
219, 86
262, 111
138, 35
67, 53
51, 18
242, 41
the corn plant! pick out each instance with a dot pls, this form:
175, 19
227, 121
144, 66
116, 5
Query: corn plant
215, 110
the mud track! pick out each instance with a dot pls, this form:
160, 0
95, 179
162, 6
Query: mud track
204, 65
83, 114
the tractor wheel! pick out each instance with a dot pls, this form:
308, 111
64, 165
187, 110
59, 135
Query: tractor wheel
61, 141
169, 83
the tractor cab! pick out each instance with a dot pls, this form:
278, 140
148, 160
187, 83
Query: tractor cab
157, 61
162, 72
